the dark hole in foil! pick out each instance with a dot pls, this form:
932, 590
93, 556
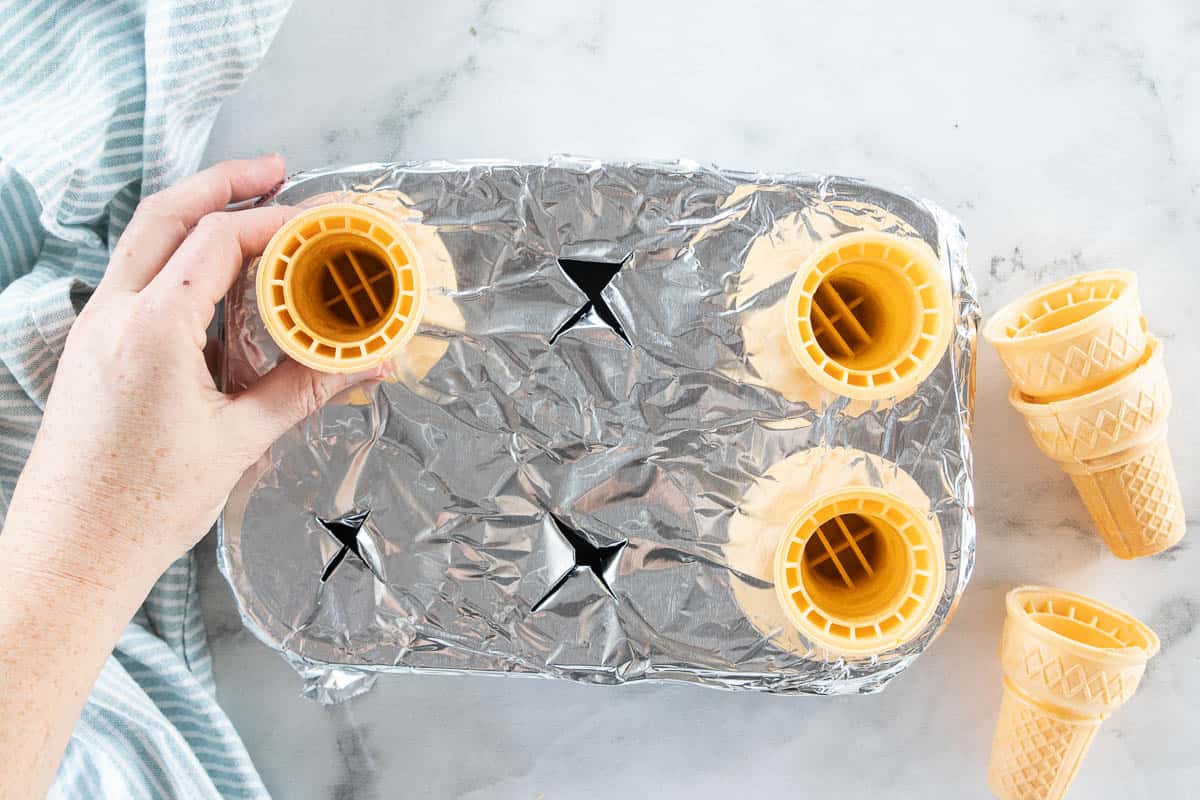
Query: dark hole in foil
344, 530
591, 277
600, 560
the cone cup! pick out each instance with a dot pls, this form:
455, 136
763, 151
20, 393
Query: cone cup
868, 315
1112, 442
836, 554
859, 570
1072, 336
341, 287
1123, 414
1069, 661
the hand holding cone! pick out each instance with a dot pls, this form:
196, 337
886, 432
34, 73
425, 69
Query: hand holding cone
1092, 387
340, 288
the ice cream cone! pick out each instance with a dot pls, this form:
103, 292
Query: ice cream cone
1072, 336
1069, 662
859, 571
341, 287
1112, 442
868, 315
1115, 417
835, 553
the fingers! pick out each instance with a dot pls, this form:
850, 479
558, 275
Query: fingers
210, 258
282, 398
162, 221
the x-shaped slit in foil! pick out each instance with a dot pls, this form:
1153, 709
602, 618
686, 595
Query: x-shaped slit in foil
347, 531
592, 277
601, 560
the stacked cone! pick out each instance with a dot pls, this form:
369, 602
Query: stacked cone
1069, 662
1090, 382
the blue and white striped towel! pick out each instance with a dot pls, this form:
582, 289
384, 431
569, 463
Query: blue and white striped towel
102, 103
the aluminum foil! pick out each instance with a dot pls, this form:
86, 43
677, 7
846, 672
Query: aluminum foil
480, 475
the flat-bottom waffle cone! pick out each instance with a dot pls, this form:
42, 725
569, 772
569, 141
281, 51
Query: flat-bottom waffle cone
1069, 662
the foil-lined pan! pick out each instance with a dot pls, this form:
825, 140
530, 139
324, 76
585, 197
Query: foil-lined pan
540, 495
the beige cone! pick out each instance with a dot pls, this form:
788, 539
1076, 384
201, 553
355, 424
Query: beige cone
889, 584
1069, 661
1072, 336
1112, 441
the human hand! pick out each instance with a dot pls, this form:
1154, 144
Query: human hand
138, 449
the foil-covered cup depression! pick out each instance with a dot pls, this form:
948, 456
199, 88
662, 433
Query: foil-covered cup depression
656, 421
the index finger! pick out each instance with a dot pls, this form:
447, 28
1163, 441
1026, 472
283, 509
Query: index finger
163, 220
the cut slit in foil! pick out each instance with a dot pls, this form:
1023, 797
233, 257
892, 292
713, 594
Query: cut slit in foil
547, 488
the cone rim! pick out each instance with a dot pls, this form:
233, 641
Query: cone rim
930, 535
1125, 656
1058, 712
358, 363
798, 340
993, 329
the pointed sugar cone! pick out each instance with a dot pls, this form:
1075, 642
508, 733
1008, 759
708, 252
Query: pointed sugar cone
1112, 442
1071, 337
1069, 662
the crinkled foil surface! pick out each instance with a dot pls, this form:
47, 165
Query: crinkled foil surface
461, 564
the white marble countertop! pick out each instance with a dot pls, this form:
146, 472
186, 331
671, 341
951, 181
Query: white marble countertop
1066, 139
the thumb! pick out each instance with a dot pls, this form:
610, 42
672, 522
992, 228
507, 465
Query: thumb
283, 397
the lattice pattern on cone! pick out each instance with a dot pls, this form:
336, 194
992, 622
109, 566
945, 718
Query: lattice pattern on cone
1085, 361
1115, 417
1069, 661
1073, 679
1073, 652
1071, 337
1154, 495
1133, 497
1034, 753
1131, 417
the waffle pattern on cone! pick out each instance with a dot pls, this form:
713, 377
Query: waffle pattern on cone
1134, 498
1105, 420
1035, 754
1071, 336
1073, 652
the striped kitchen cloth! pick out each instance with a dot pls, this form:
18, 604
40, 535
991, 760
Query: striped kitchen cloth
102, 103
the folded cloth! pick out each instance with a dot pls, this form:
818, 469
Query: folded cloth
104, 103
